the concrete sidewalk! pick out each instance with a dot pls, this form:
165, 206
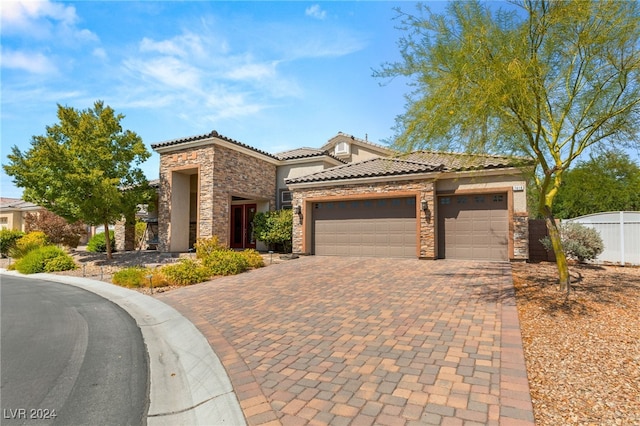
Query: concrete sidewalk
352, 341
188, 384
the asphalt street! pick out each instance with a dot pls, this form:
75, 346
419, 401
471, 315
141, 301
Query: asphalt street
69, 357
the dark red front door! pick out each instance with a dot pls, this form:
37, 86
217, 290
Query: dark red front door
242, 226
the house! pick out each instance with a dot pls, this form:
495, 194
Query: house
13, 213
350, 197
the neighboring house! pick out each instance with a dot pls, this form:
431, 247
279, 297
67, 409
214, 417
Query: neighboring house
13, 212
350, 198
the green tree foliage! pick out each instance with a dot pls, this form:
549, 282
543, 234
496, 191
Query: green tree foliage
608, 182
85, 168
274, 227
542, 79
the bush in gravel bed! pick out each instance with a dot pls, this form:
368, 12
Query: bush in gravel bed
226, 262
45, 259
579, 242
98, 243
27, 243
254, 259
139, 277
185, 272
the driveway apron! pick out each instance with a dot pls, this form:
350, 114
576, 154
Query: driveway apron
358, 341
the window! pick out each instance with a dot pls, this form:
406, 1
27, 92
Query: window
462, 200
4, 220
498, 198
342, 148
286, 196
479, 199
445, 200
382, 203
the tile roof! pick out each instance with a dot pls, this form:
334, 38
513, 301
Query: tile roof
374, 167
360, 140
213, 134
414, 163
304, 153
17, 204
456, 161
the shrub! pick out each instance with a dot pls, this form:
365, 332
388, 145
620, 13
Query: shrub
60, 263
185, 272
226, 262
579, 242
254, 259
27, 243
98, 243
274, 227
138, 277
205, 246
8, 239
37, 260
57, 229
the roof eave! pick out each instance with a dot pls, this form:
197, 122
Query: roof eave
178, 146
365, 180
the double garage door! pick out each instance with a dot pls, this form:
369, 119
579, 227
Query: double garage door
383, 227
469, 227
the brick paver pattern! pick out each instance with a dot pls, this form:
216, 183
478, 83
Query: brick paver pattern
356, 341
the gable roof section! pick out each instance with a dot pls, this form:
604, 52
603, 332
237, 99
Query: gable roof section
418, 162
168, 145
383, 150
375, 167
305, 152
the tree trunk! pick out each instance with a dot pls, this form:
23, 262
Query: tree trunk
561, 259
107, 240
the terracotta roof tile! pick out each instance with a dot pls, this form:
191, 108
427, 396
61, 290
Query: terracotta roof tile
413, 163
304, 152
369, 168
213, 134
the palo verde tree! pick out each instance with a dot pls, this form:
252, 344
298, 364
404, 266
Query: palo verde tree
84, 168
542, 79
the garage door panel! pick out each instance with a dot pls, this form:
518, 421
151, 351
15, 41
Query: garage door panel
385, 227
473, 227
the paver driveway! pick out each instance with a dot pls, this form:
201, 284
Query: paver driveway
328, 340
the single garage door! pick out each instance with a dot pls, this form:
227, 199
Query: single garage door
473, 227
374, 228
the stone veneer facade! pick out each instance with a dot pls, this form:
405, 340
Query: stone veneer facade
222, 173
422, 189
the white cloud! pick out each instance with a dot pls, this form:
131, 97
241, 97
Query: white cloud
35, 63
43, 20
99, 52
315, 12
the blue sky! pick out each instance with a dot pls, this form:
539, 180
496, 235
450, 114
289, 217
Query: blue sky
274, 75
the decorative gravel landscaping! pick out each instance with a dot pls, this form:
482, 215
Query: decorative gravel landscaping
582, 352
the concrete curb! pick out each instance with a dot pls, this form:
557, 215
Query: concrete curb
188, 384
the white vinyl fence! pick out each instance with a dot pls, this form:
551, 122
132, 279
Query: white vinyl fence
620, 232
